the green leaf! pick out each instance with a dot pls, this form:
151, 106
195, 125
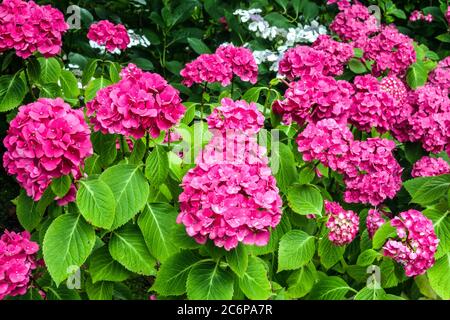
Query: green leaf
143, 63
33, 69
103, 267
26, 211
12, 91
49, 90
189, 114
181, 238
94, 86
445, 37
283, 166
172, 276
237, 259
207, 281
417, 75
297, 248
301, 281
102, 290
96, 203
255, 283
127, 246
105, 147
370, 293
330, 288
67, 243
157, 166
387, 272
439, 276
198, 46
367, 257
156, 223
425, 190
305, 199
329, 253
62, 293
61, 185
441, 223
114, 72
385, 232
92, 165
130, 189
252, 95
69, 84
89, 71
356, 66
50, 70
397, 13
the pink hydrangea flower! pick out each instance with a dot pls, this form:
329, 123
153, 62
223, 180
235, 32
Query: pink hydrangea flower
337, 54
231, 199
207, 68
417, 15
374, 221
372, 107
27, 27
416, 244
327, 141
375, 174
47, 139
429, 167
342, 224
140, 102
391, 50
112, 36
17, 260
403, 110
313, 99
342, 4
241, 60
440, 76
354, 22
302, 62
431, 121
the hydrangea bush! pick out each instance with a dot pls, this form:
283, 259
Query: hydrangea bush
211, 150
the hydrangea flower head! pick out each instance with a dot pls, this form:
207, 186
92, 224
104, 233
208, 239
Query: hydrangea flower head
313, 99
47, 139
372, 107
374, 221
27, 27
231, 199
391, 50
354, 22
430, 167
17, 260
302, 62
140, 102
110, 35
207, 68
416, 244
342, 224
241, 60
374, 174
337, 54
440, 76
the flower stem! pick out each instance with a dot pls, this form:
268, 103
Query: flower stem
27, 78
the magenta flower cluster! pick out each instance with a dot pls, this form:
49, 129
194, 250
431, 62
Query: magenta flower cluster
140, 102
27, 28
303, 62
112, 36
371, 173
231, 195
440, 76
342, 224
418, 15
17, 260
416, 244
342, 4
46, 140
430, 167
374, 221
313, 99
391, 50
221, 66
354, 22
337, 54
